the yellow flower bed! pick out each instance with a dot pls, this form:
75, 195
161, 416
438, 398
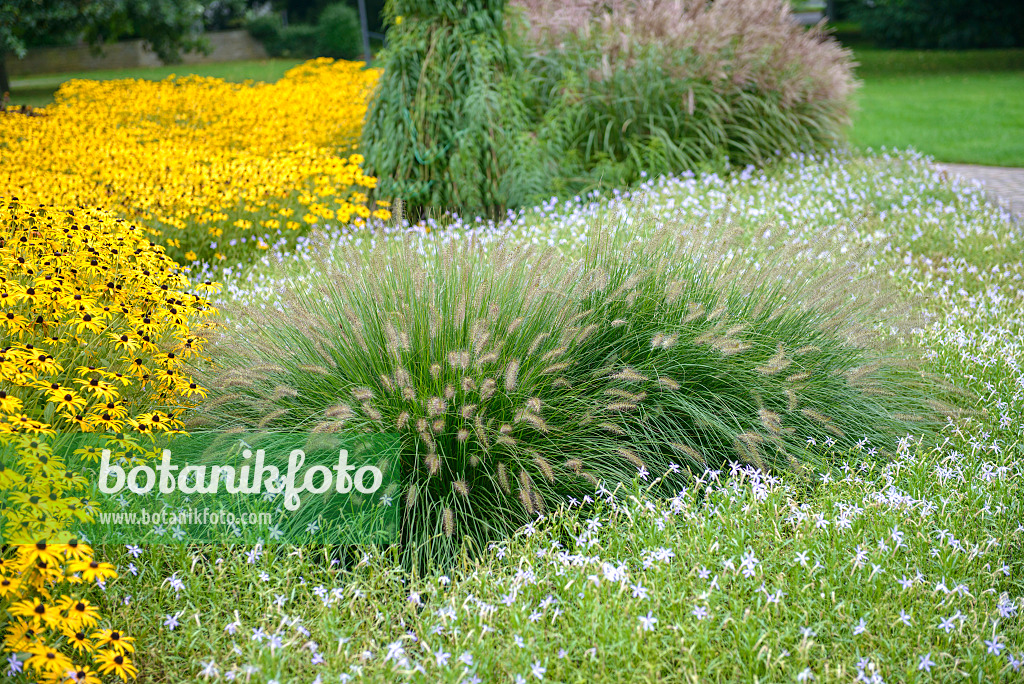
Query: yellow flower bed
201, 161
97, 326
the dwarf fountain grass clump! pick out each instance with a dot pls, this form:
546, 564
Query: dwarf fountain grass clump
520, 377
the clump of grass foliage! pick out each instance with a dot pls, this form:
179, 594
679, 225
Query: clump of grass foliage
522, 377
620, 88
482, 108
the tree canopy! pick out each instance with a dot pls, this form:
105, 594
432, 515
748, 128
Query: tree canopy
168, 26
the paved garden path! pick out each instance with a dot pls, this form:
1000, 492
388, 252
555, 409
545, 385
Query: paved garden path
1004, 185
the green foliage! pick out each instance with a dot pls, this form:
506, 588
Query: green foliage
519, 378
298, 41
336, 35
441, 128
942, 24
339, 33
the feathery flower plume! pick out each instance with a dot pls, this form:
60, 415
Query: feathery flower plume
586, 332
314, 369
537, 341
459, 359
488, 388
629, 374
503, 478
729, 346
631, 456
270, 417
857, 374
635, 397
461, 487
545, 467
776, 364
432, 462
362, 394
619, 322
694, 311
554, 368
554, 354
341, 411
533, 419
668, 383
771, 420
799, 377
484, 359
512, 375
481, 433
573, 464
815, 416
402, 420
689, 451
435, 370
267, 368
792, 399
612, 428
621, 407
448, 522
371, 412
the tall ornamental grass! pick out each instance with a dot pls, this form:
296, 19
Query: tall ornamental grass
520, 378
442, 125
623, 88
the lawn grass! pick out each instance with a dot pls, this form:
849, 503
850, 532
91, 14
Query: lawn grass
38, 90
965, 107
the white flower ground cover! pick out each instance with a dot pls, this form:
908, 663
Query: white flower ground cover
910, 570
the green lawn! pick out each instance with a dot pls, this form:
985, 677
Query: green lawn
958, 107
38, 91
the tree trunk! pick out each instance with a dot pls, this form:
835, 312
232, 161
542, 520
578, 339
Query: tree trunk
5, 83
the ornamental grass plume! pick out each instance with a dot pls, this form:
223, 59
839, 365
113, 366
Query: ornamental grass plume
97, 325
520, 377
620, 89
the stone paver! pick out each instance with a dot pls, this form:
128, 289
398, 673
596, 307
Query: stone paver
1004, 185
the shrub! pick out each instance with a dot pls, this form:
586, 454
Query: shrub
942, 24
519, 378
267, 28
338, 33
441, 127
300, 40
97, 325
631, 87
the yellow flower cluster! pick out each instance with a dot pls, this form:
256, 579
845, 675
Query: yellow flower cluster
208, 165
97, 324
